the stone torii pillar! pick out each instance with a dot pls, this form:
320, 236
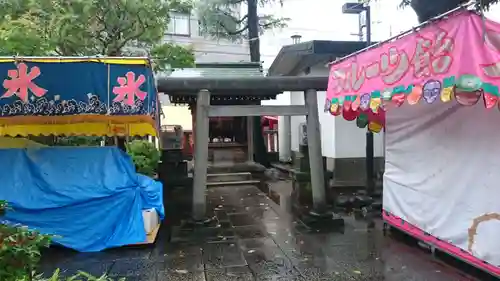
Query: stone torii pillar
201, 136
315, 154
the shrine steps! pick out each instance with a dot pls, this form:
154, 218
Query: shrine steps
230, 179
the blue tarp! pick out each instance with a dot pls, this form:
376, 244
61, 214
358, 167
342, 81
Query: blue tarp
91, 197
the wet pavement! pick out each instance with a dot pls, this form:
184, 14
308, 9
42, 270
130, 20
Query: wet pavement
254, 238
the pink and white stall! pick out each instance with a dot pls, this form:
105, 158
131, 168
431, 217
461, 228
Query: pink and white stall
434, 92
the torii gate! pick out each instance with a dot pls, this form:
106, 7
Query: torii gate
206, 88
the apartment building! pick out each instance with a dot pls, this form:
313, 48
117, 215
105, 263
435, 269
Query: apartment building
185, 29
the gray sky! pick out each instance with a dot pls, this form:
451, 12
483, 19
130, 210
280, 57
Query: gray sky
323, 20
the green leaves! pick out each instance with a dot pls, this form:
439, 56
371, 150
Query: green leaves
170, 56
19, 250
78, 141
88, 27
145, 156
221, 19
20, 254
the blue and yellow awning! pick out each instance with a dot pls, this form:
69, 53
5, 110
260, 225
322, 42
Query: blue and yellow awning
77, 96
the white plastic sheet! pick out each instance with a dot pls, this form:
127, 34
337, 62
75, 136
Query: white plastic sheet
442, 172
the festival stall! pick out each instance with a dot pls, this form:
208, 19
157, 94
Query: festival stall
434, 92
91, 198
77, 96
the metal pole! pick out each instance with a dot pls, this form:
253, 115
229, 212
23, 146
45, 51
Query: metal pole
250, 139
315, 155
201, 155
71, 58
409, 31
370, 157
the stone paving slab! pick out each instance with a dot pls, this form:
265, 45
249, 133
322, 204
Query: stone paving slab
254, 239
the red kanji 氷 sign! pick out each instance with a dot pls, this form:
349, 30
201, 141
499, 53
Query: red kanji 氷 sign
129, 89
21, 80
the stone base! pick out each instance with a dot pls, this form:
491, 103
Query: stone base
327, 220
353, 202
194, 223
354, 169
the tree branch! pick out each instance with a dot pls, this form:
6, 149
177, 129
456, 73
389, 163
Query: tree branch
239, 31
143, 28
240, 21
269, 24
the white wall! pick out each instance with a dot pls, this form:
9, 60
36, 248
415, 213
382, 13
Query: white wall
177, 115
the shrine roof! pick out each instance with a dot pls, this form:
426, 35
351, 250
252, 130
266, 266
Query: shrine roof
256, 86
293, 59
218, 70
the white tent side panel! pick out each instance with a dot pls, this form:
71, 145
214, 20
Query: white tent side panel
442, 172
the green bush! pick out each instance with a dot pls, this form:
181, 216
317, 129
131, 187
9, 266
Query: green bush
20, 254
80, 276
145, 156
19, 250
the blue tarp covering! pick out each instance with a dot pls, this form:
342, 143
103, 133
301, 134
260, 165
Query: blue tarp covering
91, 197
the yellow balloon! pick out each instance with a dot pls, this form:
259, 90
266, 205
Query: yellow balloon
375, 127
446, 94
375, 104
334, 108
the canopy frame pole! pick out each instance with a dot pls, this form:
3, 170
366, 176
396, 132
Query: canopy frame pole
409, 31
72, 58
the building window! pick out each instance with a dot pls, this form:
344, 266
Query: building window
179, 25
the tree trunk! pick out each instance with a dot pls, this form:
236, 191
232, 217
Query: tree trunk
259, 149
427, 9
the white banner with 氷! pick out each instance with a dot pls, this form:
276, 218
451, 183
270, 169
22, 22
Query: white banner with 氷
442, 173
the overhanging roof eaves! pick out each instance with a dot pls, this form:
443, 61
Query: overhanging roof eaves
243, 85
292, 59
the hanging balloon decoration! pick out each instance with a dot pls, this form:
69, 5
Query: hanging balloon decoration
398, 99
375, 127
362, 120
375, 104
349, 114
431, 90
446, 94
364, 103
490, 100
468, 89
415, 95
356, 103
386, 99
334, 108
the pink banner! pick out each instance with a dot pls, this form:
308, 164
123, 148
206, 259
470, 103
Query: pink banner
457, 57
